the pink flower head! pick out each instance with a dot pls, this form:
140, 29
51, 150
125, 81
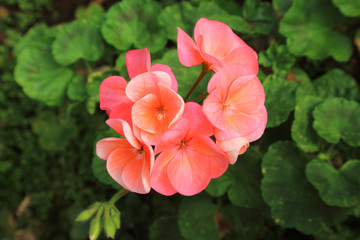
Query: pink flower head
234, 100
233, 143
216, 45
129, 160
157, 106
188, 158
112, 94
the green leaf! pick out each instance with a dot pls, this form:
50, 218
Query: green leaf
294, 202
244, 221
259, 15
246, 175
282, 5
53, 131
280, 99
219, 186
39, 75
76, 90
34, 34
178, 15
338, 118
164, 228
196, 218
242, 179
77, 40
336, 83
185, 76
348, 7
306, 87
301, 130
336, 187
134, 22
308, 27
93, 13
278, 58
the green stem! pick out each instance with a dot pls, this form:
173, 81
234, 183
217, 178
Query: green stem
205, 70
201, 97
88, 67
117, 196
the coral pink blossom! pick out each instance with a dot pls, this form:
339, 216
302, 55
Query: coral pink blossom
157, 106
188, 158
129, 160
112, 90
233, 143
216, 45
235, 101
138, 61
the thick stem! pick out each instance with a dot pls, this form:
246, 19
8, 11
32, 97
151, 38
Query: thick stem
205, 70
118, 195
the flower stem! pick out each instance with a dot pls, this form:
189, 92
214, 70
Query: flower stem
118, 195
205, 70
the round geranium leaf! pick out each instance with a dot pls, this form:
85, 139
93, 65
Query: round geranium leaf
76, 90
165, 227
79, 39
336, 187
309, 29
39, 75
336, 83
301, 130
134, 22
348, 7
280, 99
294, 202
196, 218
338, 118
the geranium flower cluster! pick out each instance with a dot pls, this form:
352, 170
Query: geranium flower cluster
154, 119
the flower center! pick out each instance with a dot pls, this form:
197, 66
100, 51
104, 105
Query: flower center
226, 106
183, 144
160, 109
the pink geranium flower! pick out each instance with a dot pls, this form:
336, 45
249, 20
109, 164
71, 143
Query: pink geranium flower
235, 106
188, 158
157, 106
233, 143
215, 45
112, 90
129, 160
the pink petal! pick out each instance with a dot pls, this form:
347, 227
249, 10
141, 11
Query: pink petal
137, 61
262, 115
117, 161
233, 147
112, 92
189, 172
172, 138
188, 52
136, 174
207, 147
212, 62
124, 129
200, 125
155, 114
217, 37
106, 146
226, 76
167, 69
245, 56
146, 83
159, 180
214, 110
122, 111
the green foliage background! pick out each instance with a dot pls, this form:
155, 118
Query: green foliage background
301, 180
